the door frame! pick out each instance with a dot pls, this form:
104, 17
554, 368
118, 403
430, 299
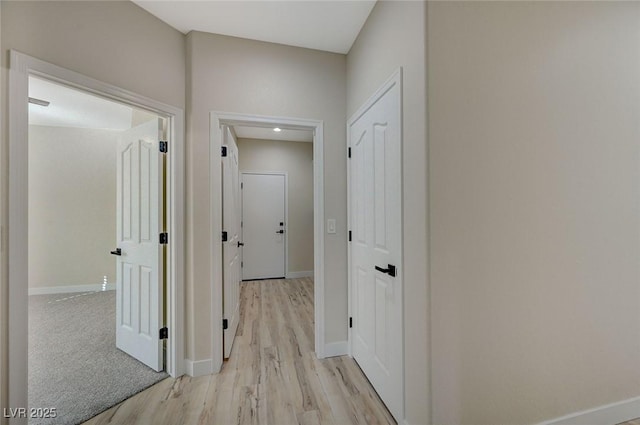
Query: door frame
21, 67
394, 80
217, 120
286, 212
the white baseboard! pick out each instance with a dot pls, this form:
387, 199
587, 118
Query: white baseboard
65, 289
609, 414
334, 349
297, 275
198, 367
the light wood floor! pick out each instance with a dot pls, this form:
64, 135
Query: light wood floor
272, 376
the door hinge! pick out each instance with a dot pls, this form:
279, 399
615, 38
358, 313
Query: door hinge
224, 150
164, 333
164, 146
224, 236
241, 264
242, 185
350, 322
225, 324
349, 235
349, 153
164, 238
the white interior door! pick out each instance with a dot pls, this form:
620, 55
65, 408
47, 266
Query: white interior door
376, 250
139, 252
231, 217
263, 225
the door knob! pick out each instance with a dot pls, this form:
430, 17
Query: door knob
118, 251
280, 231
240, 244
390, 270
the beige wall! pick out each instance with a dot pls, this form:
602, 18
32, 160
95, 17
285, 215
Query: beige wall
535, 196
116, 42
143, 55
393, 36
72, 211
236, 75
296, 159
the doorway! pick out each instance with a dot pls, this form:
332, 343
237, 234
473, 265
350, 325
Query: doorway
75, 288
220, 121
23, 67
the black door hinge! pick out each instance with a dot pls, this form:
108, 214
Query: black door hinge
241, 264
164, 333
224, 150
242, 185
225, 324
350, 322
164, 146
349, 235
164, 238
224, 236
349, 152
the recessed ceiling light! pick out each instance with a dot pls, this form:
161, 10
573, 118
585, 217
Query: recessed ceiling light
277, 130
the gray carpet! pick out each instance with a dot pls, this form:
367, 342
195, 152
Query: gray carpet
74, 364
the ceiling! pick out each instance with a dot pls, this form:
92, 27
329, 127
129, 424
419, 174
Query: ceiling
73, 108
264, 133
315, 24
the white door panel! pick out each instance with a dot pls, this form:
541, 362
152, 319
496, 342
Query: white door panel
263, 231
231, 216
375, 220
139, 263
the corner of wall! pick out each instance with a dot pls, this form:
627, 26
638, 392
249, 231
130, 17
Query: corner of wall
195, 368
334, 349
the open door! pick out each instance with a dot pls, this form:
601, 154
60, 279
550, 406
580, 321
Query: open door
375, 142
231, 247
139, 275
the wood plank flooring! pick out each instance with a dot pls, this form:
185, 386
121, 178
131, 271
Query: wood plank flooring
272, 376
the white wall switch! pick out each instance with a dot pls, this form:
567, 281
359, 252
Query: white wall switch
331, 226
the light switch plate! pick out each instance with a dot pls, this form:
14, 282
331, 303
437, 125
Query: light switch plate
331, 226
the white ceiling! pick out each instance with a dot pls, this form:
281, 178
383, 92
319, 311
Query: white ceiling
73, 108
268, 134
315, 24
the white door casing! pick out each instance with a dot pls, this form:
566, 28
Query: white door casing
264, 225
139, 273
375, 216
231, 258
21, 66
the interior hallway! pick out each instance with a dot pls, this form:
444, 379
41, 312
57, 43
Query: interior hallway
272, 376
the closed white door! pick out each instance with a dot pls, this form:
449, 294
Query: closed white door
263, 226
376, 257
139, 252
231, 216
